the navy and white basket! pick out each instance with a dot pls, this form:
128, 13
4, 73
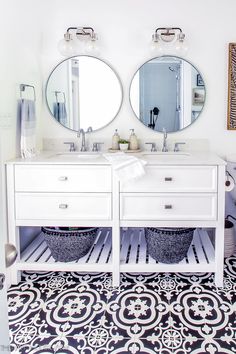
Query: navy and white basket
168, 245
69, 245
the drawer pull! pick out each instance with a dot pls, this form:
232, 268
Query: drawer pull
168, 206
168, 179
63, 178
63, 206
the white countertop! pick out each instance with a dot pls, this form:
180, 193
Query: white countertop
152, 158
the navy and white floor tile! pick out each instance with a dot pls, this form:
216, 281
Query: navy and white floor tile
148, 313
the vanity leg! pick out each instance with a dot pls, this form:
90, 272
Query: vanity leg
15, 276
15, 240
116, 256
220, 229
116, 234
219, 256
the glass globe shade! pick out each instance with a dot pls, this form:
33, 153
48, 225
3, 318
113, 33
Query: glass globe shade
181, 47
91, 47
157, 47
69, 48
66, 48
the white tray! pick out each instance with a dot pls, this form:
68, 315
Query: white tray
128, 151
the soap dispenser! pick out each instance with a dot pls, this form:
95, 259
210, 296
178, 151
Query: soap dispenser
115, 140
133, 141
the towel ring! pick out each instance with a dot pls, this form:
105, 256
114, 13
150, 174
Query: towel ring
22, 89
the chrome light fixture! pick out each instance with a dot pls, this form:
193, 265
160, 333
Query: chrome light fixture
167, 39
78, 40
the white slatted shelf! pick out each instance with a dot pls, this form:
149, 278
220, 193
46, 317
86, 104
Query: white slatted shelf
200, 257
37, 256
134, 256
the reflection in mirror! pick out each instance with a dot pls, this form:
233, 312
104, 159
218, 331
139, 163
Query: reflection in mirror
167, 93
83, 92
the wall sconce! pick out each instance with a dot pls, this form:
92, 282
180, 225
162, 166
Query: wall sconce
77, 40
169, 38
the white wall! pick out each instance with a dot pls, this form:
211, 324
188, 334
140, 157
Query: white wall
20, 40
19, 63
124, 28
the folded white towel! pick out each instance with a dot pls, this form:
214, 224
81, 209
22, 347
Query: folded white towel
125, 166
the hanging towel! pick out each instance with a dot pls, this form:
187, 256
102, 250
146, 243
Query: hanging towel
125, 166
59, 112
26, 117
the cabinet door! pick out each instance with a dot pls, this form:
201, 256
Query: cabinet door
168, 206
58, 178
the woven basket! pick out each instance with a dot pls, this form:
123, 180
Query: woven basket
168, 245
67, 246
229, 239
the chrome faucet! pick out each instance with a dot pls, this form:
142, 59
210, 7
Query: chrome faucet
164, 146
153, 146
96, 147
83, 146
82, 132
71, 144
176, 147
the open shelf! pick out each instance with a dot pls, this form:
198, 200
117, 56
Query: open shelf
133, 255
38, 256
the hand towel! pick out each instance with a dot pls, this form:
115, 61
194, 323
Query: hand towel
126, 167
26, 117
59, 112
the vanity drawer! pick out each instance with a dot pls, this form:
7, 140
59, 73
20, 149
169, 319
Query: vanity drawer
161, 206
174, 179
76, 206
45, 178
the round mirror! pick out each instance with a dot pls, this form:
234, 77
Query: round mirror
83, 92
167, 93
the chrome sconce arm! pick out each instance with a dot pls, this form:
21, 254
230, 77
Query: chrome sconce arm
80, 31
166, 36
72, 42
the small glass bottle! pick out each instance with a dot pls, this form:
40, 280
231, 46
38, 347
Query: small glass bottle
115, 141
133, 141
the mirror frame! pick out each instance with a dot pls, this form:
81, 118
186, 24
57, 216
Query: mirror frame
164, 56
103, 61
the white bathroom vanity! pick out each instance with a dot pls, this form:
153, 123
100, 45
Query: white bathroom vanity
76, 189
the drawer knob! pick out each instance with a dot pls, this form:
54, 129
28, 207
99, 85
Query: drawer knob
63, 178
63, 206
168, 179
168, 206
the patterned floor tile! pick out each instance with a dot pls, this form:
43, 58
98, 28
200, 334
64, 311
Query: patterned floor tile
230, 266
135, 312
201, 312
62, 312
31, 276
166, 285
24, 306
74, 311
116, 345
54, 283
53, 344
211, 346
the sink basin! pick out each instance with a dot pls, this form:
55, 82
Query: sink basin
78, 155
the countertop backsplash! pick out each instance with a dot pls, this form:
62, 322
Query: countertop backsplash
190, 144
